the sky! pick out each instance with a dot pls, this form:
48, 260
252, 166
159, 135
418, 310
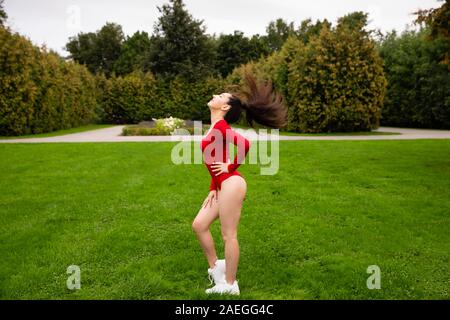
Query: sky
52, 22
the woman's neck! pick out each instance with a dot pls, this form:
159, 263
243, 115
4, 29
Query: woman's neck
215, 118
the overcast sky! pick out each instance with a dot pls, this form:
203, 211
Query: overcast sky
53, 21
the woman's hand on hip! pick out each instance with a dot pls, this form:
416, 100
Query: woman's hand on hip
220, 167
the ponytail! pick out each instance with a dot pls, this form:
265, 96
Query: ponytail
261, 104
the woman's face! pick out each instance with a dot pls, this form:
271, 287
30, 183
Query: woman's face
219, 100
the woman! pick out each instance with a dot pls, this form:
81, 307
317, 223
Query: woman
228, 187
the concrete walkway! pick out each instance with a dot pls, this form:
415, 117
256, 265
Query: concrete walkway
112, 134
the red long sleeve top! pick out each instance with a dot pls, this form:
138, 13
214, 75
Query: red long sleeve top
214, 147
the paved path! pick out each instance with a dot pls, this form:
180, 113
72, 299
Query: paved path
112, 134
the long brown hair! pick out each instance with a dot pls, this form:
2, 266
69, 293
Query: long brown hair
261, 104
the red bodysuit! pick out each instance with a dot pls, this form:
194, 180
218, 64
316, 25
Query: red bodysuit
215, 148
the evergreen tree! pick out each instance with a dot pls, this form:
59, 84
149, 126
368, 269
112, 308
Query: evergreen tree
307, 30
236, 49
3, 15
277, 33
179, 45
438, 21
336, 80
418, 94
98, 51
133, 53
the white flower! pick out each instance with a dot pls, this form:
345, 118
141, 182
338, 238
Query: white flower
170, 123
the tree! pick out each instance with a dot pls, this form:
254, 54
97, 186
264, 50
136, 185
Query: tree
439, 22
134, 51
417, 67
277, 33
354, 21
82, 49
180, 45
98, 51
236, 49
336, 81
3, 15
232, 50
307, 30
258, 47
418, 94
109, 46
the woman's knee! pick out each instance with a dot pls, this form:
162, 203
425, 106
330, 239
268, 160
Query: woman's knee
229, 236
199, 226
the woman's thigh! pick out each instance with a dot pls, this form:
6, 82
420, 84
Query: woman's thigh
231, 197
206, 215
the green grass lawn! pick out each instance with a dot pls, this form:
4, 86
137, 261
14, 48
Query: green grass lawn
61, 132
123, 213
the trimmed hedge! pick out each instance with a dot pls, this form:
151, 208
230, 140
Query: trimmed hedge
138, 97
127, 99
40, 92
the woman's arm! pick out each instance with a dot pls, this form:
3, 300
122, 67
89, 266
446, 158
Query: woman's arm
238, 140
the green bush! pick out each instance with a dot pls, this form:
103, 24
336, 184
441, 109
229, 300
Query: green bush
336, 83
135, 130
142, 131
138, 97
127, 99
39, 92
188, 100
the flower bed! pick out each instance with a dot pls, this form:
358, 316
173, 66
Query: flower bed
160, 127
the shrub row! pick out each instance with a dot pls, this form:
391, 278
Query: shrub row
39, 91
139, 96
333, 82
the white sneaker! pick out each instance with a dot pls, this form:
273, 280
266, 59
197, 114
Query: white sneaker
217, 273
225, 287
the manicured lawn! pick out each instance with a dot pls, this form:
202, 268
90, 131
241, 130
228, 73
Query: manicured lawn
122, 212
61, 132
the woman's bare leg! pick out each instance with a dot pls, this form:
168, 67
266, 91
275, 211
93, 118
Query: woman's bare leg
200, 225
231, 197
